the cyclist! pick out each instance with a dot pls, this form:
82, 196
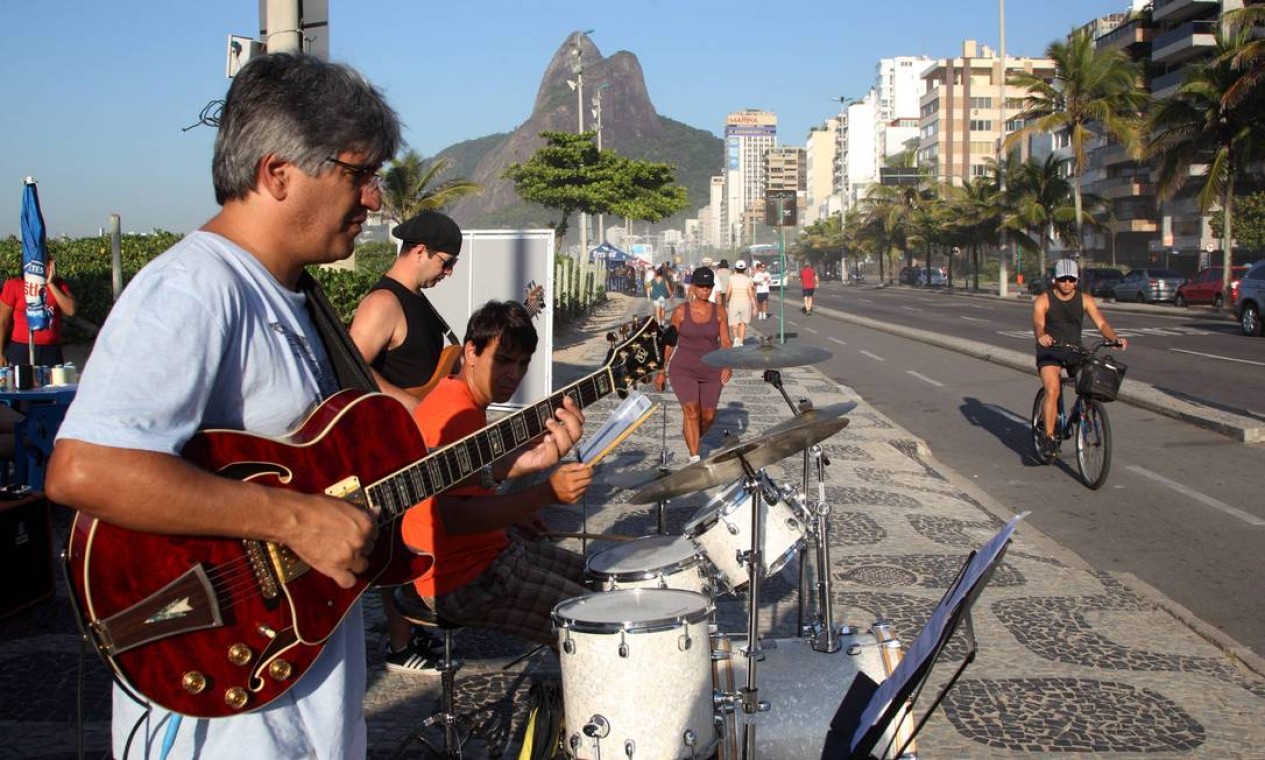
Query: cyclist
1057, 315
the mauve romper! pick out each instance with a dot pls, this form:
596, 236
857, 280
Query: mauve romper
694, 382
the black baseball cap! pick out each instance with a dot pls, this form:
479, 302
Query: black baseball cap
703, 276
434, 230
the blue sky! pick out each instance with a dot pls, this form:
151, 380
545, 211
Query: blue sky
97, 93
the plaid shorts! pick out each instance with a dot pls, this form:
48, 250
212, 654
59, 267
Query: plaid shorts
518, 592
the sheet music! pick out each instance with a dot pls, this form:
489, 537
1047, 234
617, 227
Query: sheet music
628, 414
932, 632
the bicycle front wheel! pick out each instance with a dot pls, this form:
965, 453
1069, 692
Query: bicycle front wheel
1038, 427
1093, 444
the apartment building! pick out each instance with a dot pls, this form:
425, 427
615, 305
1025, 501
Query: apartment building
967, 108
748, 135
820, 149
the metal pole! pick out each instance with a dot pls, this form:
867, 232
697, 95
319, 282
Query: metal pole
283, 30
116, 254
1003, 271
781, 290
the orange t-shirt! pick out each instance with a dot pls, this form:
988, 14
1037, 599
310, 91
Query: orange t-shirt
449, 413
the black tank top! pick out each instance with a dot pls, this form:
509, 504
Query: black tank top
412, 362
1063, 319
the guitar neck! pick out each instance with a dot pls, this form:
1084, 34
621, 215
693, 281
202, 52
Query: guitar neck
447, 466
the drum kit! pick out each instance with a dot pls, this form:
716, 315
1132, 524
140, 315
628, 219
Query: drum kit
646, 673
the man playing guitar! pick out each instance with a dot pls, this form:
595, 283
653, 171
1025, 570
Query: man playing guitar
216, 333
396, 328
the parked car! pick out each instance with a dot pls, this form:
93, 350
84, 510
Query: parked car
938, 278
1250, 301
908, 275
1100, 282
1042, 283
1149, 285
1205, 287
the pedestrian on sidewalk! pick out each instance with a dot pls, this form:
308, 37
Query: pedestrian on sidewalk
763, 282
740, 300
702, 327
660, 293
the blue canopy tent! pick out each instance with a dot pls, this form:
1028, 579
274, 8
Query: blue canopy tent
611, 255
34, 264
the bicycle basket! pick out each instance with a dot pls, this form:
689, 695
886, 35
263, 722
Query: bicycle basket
1100, 377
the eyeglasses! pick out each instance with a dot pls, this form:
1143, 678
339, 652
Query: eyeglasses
365, 176
448, 263
1065, 279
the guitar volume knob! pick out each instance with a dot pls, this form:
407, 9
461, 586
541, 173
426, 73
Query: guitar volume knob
235, 697
193, 682
280, 669
239, 654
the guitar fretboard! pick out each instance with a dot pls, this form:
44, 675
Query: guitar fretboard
447, 466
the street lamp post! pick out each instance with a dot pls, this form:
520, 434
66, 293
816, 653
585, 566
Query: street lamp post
1003, 275
597, 114
577, 68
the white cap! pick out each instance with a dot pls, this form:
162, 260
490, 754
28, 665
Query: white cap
1066, 268
740, 265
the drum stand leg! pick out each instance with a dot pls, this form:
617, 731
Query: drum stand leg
827, 638
665, 458
749, 696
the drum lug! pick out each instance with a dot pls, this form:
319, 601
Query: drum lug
684, 642
623, 646
690, 739
733, 528
598, 727
630, 748
568, 645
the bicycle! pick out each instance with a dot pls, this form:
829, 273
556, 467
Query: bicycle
1096, 380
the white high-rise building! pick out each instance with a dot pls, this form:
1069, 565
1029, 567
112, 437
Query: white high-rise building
857, 152
716, 231
748, 134
819, 163
898, 85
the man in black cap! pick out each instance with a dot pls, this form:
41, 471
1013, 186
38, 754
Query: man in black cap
401, 336
396, 328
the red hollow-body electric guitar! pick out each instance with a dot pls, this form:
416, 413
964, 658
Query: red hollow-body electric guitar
209, 627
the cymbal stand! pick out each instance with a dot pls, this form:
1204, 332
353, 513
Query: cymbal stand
748, 696
665, 459
826, 637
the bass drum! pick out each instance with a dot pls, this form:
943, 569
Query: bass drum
722, 528
636, 676
650, 562
804, 688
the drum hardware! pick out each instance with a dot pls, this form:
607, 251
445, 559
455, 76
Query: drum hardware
665, 461
766, 355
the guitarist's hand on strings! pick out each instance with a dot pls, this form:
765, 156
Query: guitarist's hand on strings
564, 431
332, 536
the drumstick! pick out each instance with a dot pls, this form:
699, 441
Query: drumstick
620, 439
592, 536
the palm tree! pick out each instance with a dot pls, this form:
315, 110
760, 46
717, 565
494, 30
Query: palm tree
1248, 58
1195, 127
1038, 205
1094, 93
410, 186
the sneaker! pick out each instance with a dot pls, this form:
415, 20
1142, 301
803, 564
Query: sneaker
409, 660
1049, 447
695, 458
424, 642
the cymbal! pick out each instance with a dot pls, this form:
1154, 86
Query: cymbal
812, 415
630, 480
769, 356
725, 466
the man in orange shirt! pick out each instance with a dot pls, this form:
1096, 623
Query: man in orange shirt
484, 575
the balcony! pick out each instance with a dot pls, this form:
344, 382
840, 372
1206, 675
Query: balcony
1166, 86
1125, 36
1124, 187
1180, 10
1187, 41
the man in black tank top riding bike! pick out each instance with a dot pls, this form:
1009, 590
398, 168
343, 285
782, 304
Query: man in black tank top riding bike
1057, 315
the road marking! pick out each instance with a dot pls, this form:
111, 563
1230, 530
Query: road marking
789, 322
924, 378
911, 308
1250, 519
875, 357
974, 319
1222, 358
811, 330
1004, 412
836, 340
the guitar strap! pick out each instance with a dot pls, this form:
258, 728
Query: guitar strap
448, 333
349, 366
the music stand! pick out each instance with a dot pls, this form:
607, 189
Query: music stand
869, 709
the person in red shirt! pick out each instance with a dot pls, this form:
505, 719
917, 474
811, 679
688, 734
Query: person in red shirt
14, 335
484, 575
808, 281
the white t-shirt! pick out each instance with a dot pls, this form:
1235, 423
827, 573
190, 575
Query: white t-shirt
762, 281
204, 336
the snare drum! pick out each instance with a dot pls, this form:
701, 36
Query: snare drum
636, 674
804, 688
723, 528
650, 562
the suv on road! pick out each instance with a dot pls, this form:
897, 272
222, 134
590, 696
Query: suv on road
1251, 299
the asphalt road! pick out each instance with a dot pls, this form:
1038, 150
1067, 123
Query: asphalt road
1179, 351
1181, 509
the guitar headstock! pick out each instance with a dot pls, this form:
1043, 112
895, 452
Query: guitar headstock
534, 298
636, 354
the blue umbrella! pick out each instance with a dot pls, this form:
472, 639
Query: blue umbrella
34, 263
